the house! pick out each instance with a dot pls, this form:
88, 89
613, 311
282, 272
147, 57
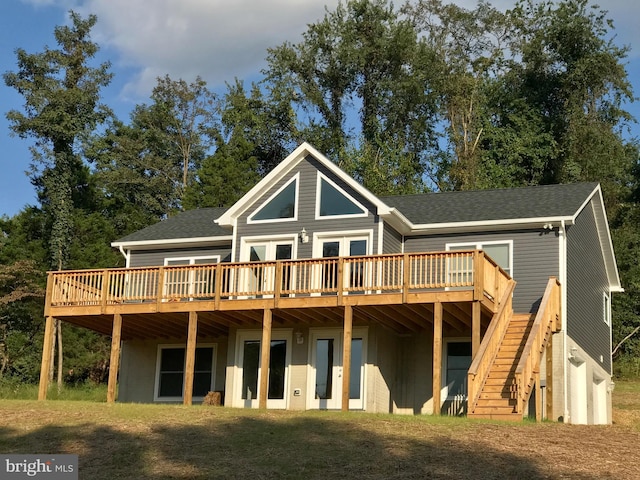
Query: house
499, 301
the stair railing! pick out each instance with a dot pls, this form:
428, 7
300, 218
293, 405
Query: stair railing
479, 369
546, 322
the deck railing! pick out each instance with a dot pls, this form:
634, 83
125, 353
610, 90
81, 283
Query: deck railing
371, 274
545, 323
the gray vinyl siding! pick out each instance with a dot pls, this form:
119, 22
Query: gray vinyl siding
306, 212
586, 284
535, 259
155, 258
391, 240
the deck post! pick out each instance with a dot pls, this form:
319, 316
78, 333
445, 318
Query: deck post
265, 352
190, 362
346, 356
538, 397
437, 356
476, 316
46, 359
549, 371
478, 275
114, 362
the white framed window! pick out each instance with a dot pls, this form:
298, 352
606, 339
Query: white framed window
282, 206
500, 251
606, 307
182, 283
333, 202
170, 372
265, 249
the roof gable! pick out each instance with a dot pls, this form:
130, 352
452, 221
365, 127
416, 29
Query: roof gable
230, 217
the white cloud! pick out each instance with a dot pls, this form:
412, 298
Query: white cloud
216, 39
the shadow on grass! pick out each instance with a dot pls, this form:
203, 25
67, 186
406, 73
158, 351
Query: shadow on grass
305, 447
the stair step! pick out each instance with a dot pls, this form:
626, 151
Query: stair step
502, 403
509, 417
495, 410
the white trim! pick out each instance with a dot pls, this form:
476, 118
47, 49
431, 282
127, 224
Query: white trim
319, 177
341, 236
285, 237
170, 242
192, 259
380, 224
160, 347
285, 334
295, 178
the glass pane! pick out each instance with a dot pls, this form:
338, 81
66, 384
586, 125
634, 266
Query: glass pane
172, 359
204, 261
333, 202
324, 368
283, 252
281, 206
258, 253
356, 368
358, 247
330, 249
499, 253
277, 365
177, 262
170, 384
201, 383
250, 363
204, 359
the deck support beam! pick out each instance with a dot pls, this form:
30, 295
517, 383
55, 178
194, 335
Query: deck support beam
190, 362
476, 317
437, 356
549, 371
346, 356
114, 362
46, 358
265, 353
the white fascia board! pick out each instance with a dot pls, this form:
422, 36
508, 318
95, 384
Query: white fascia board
171, 242
475, 226
230, 216
604, 234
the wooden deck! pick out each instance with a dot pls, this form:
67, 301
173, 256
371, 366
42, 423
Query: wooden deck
460, 291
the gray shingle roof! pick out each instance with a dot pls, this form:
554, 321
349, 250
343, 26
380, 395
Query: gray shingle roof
486, 205
189, 224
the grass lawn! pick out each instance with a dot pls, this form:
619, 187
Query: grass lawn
163, 441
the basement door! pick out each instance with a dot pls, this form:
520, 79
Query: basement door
247, 379
324, 389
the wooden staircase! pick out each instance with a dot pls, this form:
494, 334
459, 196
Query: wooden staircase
506, 370
499, 396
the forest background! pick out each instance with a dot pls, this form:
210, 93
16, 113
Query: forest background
425, 96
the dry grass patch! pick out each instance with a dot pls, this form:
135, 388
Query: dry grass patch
162, 441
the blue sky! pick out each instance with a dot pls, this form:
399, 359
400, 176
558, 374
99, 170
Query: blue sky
216, 39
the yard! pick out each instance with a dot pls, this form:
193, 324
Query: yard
160, 441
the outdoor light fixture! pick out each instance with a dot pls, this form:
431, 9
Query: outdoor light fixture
299, 338
304, 238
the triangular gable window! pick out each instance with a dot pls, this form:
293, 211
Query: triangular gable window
335, 202
280, 206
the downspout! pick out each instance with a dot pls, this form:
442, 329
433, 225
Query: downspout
126, 256
563, 281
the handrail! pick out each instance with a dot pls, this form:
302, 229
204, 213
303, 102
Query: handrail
479, 369
368, 274
545, 323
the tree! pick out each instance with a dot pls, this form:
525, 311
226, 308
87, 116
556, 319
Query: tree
62, 92
361, 57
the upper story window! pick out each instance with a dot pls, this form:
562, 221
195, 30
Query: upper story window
500, 252
333, 202
281, 206
606, 308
